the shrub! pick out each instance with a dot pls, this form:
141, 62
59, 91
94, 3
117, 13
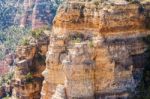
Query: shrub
96, 3
6, 78
7, 97
29, 77
46, 28
77, 40
76, 37
37, 33
91, 44
24, 42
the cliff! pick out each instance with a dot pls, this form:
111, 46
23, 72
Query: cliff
30, 63
37, 13
96, 50
27, 13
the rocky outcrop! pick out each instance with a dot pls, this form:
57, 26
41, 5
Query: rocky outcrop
96, 50
53, 73
30, 63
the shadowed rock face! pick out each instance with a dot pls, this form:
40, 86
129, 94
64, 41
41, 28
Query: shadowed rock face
95, 49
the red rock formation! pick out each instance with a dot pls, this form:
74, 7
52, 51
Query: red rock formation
37, 13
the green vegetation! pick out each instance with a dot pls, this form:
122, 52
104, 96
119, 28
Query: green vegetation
7, 13
77, 40
76, 37
7, 96
10, 8
91, 43
96, 2
24, 41
10, 37
29, 77
37, 33
132, 1
9, 34
6, 78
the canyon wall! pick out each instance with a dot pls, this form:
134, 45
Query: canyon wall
37, 13
27, 13
96, 50
30, 63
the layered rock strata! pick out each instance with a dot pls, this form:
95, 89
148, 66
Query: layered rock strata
37, 13
30, 63
53, 73
96, 50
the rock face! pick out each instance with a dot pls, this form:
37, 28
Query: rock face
30, 63
37, 13
27, 13
96, 50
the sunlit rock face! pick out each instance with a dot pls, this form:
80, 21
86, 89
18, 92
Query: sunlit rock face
96, 50
30, 63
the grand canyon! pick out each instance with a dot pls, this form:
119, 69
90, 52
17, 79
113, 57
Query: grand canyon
81, 49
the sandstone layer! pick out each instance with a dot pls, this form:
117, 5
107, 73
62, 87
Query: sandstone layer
30, 63
96, 50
